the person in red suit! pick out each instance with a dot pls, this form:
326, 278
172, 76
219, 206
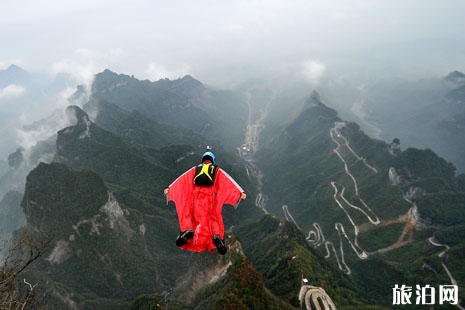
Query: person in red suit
199, 195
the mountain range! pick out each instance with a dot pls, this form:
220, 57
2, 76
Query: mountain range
326, 202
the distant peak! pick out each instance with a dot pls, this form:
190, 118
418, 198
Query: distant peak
188, 84
109, 73
187, 79
14, 75
315, 103
455, 76
316, 96
14, 67
314, 99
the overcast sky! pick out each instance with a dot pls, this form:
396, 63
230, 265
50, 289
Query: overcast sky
221, 40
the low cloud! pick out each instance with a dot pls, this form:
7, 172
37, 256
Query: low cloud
82, 70
11, 91
313, 71
156, 71
36, 115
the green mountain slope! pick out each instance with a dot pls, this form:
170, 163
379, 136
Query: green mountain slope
98, 249
137, 128
101, 202
281, 254
264, 269
217, 115
380, 204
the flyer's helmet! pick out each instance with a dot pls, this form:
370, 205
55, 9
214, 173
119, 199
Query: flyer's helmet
209, 155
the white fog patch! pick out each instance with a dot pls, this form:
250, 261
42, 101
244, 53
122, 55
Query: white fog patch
86, 134
313, 71
358, 109
156, 71
44, 124
11, 91
82, 69
30, 133
72, 117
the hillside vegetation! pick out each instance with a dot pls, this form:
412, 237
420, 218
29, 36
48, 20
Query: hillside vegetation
327, 204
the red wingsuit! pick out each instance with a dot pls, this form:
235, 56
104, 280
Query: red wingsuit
199, 207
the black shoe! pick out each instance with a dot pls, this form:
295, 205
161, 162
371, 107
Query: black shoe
184, 237
219, 243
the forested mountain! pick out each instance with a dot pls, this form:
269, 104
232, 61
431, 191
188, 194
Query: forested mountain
383, 214
350, 214
215, 114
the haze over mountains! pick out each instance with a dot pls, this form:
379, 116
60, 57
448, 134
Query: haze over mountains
331, 199
423, 113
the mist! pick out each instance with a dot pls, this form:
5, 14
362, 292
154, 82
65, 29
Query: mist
335, 46
222, 42
32, 106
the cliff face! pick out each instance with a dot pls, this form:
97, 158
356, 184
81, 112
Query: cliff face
109, 237
96, 245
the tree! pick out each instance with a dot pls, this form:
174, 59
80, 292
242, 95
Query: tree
15, 291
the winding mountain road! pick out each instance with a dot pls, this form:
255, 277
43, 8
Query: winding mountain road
315, 297
250, 145
316, 237
433, 242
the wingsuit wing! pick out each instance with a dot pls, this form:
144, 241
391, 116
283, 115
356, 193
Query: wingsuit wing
181, 192
228, 192
199, 208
